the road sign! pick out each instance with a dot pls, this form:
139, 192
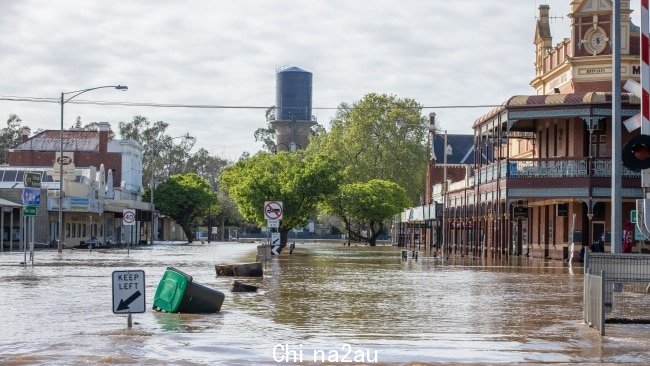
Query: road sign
128, 216
273, 223
273, 210
275, 243
31, 196
32, 180
30, 210
128, 292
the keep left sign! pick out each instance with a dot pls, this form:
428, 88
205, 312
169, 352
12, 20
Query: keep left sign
128, 292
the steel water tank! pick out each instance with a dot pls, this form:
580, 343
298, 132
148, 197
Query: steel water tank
293, 94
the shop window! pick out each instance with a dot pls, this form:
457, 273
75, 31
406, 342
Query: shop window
67, 230
83, 230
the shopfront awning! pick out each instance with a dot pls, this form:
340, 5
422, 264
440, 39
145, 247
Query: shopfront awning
7, 203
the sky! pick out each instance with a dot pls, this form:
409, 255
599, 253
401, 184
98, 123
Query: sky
440, 53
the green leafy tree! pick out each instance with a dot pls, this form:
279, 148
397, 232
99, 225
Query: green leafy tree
371, 202
162, 154
10, 136
379, 137
300, 181
185, 198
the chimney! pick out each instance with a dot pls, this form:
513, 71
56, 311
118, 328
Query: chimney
543, 13
104, 128
26, 132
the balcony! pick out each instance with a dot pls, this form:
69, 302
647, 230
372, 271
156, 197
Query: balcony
550, 168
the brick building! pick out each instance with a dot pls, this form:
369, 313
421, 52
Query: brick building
104, 177
540, 185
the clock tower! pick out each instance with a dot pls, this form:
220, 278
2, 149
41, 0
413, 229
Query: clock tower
583, 62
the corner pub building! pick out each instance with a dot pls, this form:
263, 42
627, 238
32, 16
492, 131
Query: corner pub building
541, 179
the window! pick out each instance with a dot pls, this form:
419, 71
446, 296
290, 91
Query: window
67, 230
598, 145
83, 230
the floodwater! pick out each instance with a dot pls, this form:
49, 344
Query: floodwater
325, 304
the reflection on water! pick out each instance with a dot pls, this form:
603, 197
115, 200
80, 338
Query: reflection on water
324, 299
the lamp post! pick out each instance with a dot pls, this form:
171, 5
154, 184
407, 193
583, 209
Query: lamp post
153, 180
60, 160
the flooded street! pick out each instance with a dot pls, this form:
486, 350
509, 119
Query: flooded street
325, 300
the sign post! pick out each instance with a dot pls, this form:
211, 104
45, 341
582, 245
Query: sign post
128, 219
273, 212
31, 197
128, 293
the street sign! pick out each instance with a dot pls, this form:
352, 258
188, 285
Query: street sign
31, 196
128, 292
275, 243
128, 216
30, 210
273, 210
32, 180
273, 223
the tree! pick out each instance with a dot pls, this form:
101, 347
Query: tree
209, 167
161, 154
185, 198
10, 136
266, 135
92, 126
300, 181
379, 137
371, 202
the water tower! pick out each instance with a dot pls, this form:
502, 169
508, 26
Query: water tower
293, 119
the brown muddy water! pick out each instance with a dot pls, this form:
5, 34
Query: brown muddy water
325, 304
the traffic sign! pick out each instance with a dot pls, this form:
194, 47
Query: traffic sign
31, 196
273, 223
30, 210
275, 243
128, 216
32, 180
273, 210
128, 292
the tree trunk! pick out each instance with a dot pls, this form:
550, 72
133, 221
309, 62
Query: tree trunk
374, 233
284, 236
348, 225
189, 233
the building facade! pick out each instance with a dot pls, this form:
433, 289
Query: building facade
540, 185
101, 178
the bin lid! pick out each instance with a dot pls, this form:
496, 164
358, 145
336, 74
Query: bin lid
171, 289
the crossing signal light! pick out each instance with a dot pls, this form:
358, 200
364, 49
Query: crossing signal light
636, 153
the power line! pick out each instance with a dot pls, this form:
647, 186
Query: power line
201, 106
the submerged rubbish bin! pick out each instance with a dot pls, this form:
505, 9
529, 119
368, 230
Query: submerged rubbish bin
177, 293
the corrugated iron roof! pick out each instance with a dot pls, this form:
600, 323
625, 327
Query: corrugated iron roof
551, 100
73, 140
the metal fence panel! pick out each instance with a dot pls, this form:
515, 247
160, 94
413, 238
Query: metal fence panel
593, 301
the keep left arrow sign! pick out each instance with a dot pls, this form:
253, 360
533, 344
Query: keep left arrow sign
124, 304
129, 292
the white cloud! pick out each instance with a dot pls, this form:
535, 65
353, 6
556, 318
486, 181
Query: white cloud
437, 52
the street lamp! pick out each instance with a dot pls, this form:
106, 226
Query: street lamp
60, 159
153, 177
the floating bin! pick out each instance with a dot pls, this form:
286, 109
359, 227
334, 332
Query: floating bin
177, 293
